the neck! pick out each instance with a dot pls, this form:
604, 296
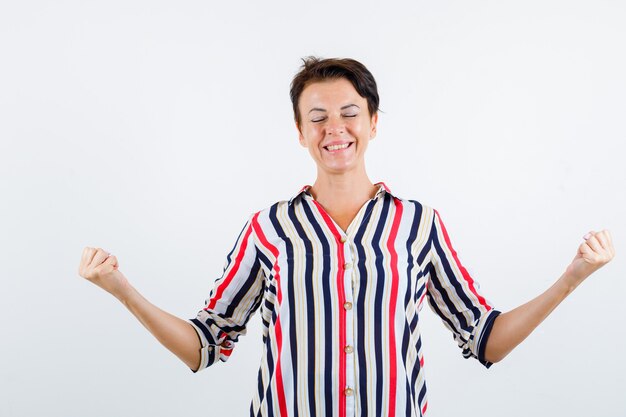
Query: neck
338, 192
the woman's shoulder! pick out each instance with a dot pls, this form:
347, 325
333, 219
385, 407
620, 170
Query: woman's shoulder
420, 210
415, 202
270, 210
418, 205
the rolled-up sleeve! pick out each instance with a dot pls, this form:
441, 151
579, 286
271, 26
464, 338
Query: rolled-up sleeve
454, 296
235, 296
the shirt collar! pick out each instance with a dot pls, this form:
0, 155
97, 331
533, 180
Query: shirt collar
382, 187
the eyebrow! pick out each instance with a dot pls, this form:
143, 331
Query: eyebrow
343, 108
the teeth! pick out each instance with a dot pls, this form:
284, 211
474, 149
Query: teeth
335, 147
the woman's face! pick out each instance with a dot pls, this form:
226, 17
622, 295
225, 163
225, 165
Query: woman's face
335, 125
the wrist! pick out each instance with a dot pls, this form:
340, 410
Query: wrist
570, 281
125, 293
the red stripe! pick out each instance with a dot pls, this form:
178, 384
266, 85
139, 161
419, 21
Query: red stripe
419, 303
282, 403
392, 305
233, 271
466, 275
384, 186
342, 312
280, 389
425, 407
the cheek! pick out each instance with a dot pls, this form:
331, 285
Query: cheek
313, 134
358, 128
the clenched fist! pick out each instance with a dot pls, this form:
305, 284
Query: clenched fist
595, 252
101, 268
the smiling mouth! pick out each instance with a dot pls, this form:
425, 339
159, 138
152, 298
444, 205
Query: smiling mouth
334, 148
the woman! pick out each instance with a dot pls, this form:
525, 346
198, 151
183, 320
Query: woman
340, 272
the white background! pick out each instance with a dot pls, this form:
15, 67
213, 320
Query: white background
153, 129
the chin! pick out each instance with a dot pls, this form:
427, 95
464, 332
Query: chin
335, 169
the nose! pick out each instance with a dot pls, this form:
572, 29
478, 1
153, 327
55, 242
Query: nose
335, 126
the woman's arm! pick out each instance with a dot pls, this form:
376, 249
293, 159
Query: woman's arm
511, 328
175, 334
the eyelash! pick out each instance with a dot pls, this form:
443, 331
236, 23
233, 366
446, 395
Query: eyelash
321, 120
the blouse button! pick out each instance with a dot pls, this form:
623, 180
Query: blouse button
347, 265
343, 239
348, 392
348, 349
347, 305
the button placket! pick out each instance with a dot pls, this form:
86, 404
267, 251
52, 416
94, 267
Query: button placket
348, 349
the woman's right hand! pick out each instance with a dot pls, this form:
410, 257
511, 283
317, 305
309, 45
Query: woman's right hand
101, 268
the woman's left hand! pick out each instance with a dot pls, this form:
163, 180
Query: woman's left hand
595, 252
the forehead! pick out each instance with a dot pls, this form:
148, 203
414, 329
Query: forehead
335, 91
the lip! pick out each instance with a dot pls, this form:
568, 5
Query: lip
337, 143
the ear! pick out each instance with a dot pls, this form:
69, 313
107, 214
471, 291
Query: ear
373, 123
300, 137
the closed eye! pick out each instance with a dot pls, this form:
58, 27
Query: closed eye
321, 119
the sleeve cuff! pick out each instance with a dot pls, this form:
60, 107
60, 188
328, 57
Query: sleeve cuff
211, 353
484, 336
206, 350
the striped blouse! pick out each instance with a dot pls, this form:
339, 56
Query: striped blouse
340, 309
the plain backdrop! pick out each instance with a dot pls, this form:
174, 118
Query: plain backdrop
153, 129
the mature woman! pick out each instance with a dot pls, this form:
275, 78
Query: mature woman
340, 272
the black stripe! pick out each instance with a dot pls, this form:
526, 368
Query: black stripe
485, 336
421, 397
358, 306
434, 280
260, 392
408, 330
378, 299
290, 299
329, 372
244, 290
270, 368
264, 260
310, 307
455, 281
204, 328
421, 289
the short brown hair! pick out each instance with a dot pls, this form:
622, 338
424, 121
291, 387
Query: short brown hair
316, 69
